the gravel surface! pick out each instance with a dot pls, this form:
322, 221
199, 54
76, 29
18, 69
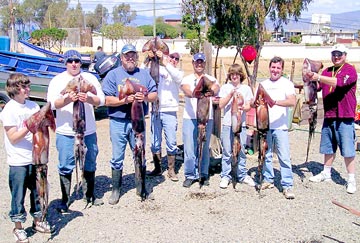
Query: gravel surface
209, 214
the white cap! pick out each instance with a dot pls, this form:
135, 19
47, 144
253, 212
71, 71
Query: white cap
339, 47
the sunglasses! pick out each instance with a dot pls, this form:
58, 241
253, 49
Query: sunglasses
176, 59
71, 60
337, 53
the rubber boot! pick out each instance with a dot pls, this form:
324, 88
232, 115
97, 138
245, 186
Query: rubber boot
171, 168
116, 186
157, 164
88, 186
65, 184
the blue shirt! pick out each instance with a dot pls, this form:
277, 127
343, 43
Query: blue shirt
117, 77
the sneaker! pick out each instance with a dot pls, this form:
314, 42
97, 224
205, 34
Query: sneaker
224, 183
288, 193
188, 182
266, 185
351, 187
322, 176
248, 180
20, 235
42, 227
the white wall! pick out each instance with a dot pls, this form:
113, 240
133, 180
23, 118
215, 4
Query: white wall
269, 50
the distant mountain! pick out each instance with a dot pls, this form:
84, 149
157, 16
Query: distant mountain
145, 20
348, 21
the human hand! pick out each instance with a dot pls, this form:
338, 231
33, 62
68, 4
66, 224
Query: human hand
83, 97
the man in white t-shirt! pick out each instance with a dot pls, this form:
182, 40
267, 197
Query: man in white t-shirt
190, 125
282, 91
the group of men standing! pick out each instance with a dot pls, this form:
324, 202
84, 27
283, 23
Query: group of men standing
341, 77
338, 85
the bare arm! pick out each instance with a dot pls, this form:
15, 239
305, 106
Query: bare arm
288, 102
186, 90
14, 135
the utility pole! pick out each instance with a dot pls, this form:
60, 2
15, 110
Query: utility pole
12, 22
207, 50
154, 24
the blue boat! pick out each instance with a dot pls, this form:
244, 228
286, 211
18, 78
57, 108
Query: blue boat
34, 50
39, 69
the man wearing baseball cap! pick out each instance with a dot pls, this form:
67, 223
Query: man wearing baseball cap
338, 85
119, 111
65, 135
190, 125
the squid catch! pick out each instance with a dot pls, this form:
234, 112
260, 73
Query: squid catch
236, 125
202, 92
155, 44
79, 84
310, 89
262, 100
138, 126
38, 124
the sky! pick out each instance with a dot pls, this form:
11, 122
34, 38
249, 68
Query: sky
169, 7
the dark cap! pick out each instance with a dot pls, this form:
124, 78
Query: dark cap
199, 56
71, 54
128, 48
175, 55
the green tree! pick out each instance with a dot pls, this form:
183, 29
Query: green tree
56, 15
50, 38
193, 16
98, 18
131, 34
123, 14
147, 30
112, 32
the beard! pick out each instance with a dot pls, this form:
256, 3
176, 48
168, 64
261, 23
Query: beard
130, 66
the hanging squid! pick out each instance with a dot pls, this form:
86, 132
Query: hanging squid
203, 93
155, 44
138, 126
310, 89
236, 125
262, 100
79, 84
38, 124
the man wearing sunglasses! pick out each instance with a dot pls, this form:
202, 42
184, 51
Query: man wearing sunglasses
119, 111
338, 85
65, 135
166, 118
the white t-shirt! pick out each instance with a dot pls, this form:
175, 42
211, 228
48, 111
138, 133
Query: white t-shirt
64, 115
191, 103
14, 114
244, 90
278, 90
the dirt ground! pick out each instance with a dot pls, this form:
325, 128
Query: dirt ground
207, 214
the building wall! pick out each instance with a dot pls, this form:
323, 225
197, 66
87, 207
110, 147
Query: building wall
268, 51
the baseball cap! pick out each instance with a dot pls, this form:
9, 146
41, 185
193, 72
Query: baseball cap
72, 54
340, 48
128, 48
175, 55
199, 56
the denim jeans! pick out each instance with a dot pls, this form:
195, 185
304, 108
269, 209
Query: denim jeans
121, 133
20, 179
166, 121
227, 139
65, 147
338, 132
190, 134
279, 140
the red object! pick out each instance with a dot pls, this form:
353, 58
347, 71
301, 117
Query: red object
249, 53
